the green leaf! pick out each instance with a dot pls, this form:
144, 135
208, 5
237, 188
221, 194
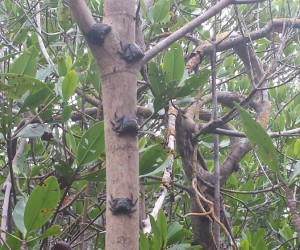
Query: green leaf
158, 169
44, 72
144, 243
156, 78
163, 99
173, 64
151, 159
69, 85
96, 176
93, 76
162, 226
279, 123
296, 172
71, 142
69, 62
289, 49
61, 65
157, 241
259, 234
63, 16
66, 113
184, 246
258, 136
20, 84
261, 245
36, 99
142, 142
41, 204
288, 232
173, 229
7, 57
297, 149
62, 168
13, 241
91, 144
22, 35
160, 10
51, 231
228, 62
193, 83
245, 245
26, 64
176, 234
18, 216
34, 130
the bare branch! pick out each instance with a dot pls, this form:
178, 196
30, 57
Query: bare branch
184, 30
246, 1
233, 41
293, 209
167, 175
40, 39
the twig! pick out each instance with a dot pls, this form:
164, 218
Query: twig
39, 37
5, 207
166, 179
184, 30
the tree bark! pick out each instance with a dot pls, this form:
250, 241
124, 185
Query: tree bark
119, 97
118, 80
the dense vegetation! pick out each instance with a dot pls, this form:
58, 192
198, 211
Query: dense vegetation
53, 158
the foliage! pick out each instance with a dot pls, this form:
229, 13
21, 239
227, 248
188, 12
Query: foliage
51, 103
165, 236
33, 214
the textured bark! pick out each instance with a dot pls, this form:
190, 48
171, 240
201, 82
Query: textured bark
185, 127
201, 225
118, 81
119, 96
293, 209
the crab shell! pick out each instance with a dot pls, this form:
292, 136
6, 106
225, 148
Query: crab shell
126, 124
122, 206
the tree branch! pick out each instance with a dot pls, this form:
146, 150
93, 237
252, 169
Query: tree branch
184, 30
82, 14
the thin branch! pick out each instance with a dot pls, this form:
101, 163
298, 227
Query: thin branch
233, 41
168, 171
39, 37
184, 30
82, 243
292, 132
5, 207
241, 191
214, 117
7, 186
293, 209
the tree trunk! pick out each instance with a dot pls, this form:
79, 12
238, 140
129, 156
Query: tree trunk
118, 80
119, 97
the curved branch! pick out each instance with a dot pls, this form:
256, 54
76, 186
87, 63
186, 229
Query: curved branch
234, 40
255, 72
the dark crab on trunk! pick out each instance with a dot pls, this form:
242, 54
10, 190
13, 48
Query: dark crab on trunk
126, 124
122, 205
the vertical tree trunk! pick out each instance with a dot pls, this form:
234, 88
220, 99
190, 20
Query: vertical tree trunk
118, 80
119, 97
